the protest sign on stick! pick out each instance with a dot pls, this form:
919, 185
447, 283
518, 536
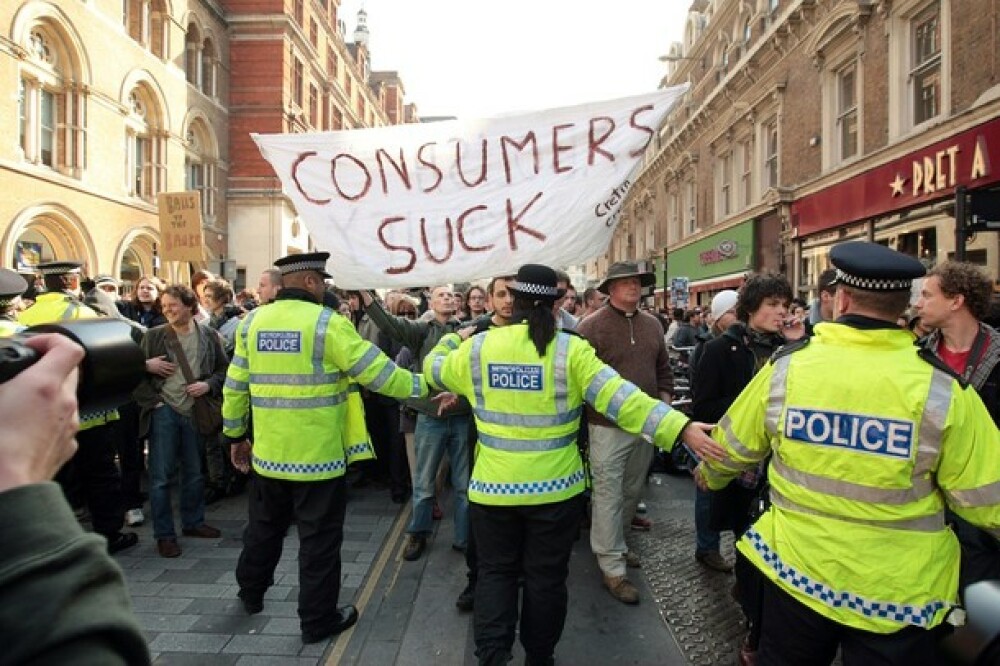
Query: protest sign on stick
180, 226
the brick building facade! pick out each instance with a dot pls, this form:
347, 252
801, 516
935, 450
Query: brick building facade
809, 122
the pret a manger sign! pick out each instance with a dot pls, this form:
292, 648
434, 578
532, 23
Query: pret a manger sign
423, 204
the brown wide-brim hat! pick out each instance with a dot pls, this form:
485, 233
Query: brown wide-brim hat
626, 269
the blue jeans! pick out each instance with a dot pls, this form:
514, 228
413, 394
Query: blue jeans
431, 438
706, 539
173, 439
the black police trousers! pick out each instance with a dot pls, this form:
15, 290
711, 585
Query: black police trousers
795, 635
530, 541
318, 508
91, 478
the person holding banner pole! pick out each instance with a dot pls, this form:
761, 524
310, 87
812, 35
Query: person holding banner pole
434, 434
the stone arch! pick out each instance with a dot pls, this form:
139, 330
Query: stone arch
196, 122
140, 242
53, 18
832, 25
61, 229
144, 81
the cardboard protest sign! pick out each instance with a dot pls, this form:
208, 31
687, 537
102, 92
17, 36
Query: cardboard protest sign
180, 226
424, 204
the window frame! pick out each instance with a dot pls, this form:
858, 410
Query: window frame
903, 119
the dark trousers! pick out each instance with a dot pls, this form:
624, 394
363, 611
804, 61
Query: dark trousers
317, 507
399, 466
533, 541
94, 473
129, 447
471, 559
794, 635
377, 420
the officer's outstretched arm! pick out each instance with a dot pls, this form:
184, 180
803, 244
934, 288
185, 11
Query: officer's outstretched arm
969, 468
367, 365
741, 433
446, 367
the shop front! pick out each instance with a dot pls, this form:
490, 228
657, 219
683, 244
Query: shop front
715, 262
907, 203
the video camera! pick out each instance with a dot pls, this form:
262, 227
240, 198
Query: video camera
113, 364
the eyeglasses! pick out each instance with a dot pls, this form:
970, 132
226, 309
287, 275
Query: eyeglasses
408, 313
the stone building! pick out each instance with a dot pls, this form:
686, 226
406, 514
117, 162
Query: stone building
811, 122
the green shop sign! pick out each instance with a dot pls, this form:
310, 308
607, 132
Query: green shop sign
723, 253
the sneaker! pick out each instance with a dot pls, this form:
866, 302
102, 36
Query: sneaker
134, 517
414, 547
203, 531
632, 560
467, 599
621, 589
120, 541
640, 524
714, 561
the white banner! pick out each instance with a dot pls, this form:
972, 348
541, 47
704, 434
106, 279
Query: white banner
431, 203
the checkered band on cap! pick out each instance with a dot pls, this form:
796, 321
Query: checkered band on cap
303, 266
61, 269
873, 284
535, 289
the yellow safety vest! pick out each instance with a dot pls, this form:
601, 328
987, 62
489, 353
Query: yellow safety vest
56, 306
528, 409
293, 364
9, 329
869, 442
359, 444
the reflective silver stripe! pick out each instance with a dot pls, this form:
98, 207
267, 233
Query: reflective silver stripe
921, 489
726, 423
560, 371
932, 423
655, 418
382, 377
319, 339
245, 327
509, 444
529, 420
933, 523
240, 361
365, 361
597, 383
618, 400
296, 380
232, 424
477, 369
416, 391
436, 366
235, 385
299, 403
353, 388
777, 395
987, 495
71, 308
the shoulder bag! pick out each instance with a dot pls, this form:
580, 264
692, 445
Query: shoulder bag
207, 409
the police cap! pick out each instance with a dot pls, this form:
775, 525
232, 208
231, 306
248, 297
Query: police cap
60, 267
312, 261
537, 282
12, 284
874, 267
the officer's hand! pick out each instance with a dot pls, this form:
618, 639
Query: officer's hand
239, 454
466, 332
160, 366
197, 389
38, 412
699, 477
695, 435
445, 401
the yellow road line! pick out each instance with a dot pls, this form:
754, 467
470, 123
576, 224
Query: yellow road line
340, 644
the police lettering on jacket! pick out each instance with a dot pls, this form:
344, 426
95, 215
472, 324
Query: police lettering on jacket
870, 434
279, 341
515, 376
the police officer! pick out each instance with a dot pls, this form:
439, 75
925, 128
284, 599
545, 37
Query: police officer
870, 441
293, 365
527, 383
91, 477
12, 286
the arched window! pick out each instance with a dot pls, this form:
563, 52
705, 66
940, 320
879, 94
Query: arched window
200, 166
146, 145
192, 56
51, 103
148, 23
209, 60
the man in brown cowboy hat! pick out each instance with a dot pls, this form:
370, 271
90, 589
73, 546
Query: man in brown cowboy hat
631, 342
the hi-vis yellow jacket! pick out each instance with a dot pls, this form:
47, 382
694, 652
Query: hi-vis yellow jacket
528, 409
869, 443
9, 329
293, 364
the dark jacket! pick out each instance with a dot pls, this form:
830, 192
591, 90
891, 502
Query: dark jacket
214, 364
686, 335
148, 318
985, 378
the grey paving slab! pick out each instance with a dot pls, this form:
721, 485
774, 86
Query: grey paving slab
160, 622
185, 642
194, 659
157, 605
259, 660
264, 645
194, 590
229, 624
192, 576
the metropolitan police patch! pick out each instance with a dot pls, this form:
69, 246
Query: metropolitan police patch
515, 377
859, 432
284, 342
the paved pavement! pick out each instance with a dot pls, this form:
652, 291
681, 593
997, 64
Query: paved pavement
189, 610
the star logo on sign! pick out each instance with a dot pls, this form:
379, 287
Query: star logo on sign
897, 185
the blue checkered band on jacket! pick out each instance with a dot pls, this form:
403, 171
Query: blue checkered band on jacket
357, 449
528, 488
299, 468
898, 612
873, 284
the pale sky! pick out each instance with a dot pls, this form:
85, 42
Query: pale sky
469, 58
